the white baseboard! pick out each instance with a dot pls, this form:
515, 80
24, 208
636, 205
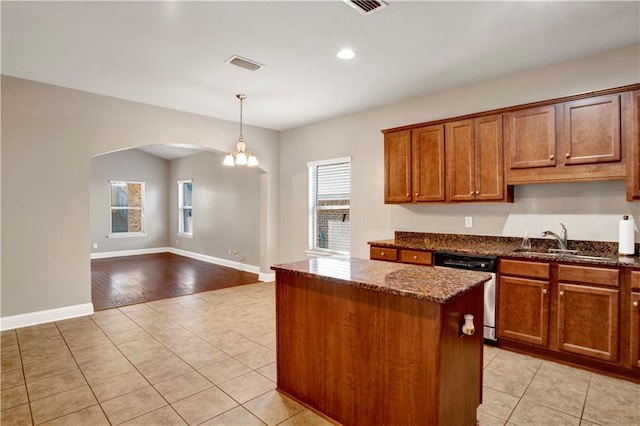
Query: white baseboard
203, 257
48, 315
267, 277
216, 260
106, 254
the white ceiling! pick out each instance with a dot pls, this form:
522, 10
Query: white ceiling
172, 54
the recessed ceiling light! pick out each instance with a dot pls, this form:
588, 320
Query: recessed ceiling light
346, 54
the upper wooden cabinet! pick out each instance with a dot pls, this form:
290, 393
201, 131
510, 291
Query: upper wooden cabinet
475, 161
428, 163
591, 131
397, 167
572, 141
631, 114
531, 138
414, 165
467, 155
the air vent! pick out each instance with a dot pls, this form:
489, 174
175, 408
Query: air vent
366, 7
244, 63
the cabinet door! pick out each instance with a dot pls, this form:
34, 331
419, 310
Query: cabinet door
635, 329
531, 138
460, 161
591, 130
428, 163
588, 321
397, 167
489, 159
523, 312
632, 135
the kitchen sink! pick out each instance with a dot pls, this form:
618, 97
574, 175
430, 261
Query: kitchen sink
563, 255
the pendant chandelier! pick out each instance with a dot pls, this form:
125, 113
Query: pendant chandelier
240, 156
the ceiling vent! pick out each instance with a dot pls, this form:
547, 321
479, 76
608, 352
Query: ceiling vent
366, 7
244, 63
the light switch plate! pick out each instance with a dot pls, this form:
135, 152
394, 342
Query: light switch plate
468, 221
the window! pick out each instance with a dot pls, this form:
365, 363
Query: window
127, 209
329, 196
185, 208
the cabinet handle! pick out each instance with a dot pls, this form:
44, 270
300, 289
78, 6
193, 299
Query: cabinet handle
562, 293
567, 155
635, 304
544, 291
552, 157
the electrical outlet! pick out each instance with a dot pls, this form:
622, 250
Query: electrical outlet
468, 222
95, 245
229, 252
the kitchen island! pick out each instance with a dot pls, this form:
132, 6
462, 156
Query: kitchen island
367, 342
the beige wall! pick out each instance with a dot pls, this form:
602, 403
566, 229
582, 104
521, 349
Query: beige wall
590, 210
226, 208
49, 134
130, 165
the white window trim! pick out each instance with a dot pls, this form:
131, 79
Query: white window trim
143, 233
311, 249
181, 232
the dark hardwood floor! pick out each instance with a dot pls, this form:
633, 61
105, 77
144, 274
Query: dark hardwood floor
121, 281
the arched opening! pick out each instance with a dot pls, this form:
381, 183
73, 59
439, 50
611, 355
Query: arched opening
136, 210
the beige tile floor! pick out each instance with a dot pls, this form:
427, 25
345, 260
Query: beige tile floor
209, 359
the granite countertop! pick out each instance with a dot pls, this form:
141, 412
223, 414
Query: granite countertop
505, 246
439, 285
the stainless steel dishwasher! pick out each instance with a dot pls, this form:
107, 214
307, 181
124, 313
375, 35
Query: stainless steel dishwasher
477, 263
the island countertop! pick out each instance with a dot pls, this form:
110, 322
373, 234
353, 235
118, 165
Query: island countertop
439, 285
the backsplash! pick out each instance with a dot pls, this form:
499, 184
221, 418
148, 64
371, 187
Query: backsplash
487, 243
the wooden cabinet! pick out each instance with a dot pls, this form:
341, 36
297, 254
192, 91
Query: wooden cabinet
631, 112
390, 254
414, 165
475, 161
635, 329
531, 138
383, 253
588, 315
591, 131
397, 167
523, 302
579, 140
428, 164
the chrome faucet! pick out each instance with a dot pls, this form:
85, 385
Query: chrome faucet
562, 239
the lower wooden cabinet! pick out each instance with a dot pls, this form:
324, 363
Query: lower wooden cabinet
524, 310
588, 321
417, 257
523, 302
565, 309
635, 330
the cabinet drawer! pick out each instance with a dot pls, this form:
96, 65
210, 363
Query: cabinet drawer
417, 257
381, 253
635, 280
589, 275
525, 269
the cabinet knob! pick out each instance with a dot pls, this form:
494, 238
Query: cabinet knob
417, 194
544, 291
408, 195
567, 155
382, 253
635, 304
472, 193
562, 293
416, 258
552, 157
